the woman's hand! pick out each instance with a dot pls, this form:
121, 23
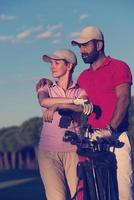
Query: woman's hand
49, 113
42, 82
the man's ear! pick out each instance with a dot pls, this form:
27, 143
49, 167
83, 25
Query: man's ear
99, 45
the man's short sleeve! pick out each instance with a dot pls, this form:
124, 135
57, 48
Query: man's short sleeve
122, 74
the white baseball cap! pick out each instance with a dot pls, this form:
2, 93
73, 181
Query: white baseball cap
61, 54
87, 34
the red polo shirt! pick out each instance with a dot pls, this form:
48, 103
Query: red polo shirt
100, 86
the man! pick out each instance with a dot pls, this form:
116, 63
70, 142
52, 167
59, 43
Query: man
107, 82
57, 159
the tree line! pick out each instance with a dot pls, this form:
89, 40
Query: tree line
18, 144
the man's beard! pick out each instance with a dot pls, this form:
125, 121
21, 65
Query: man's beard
90, 57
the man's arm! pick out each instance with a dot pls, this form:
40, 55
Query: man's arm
42, 82
123, 93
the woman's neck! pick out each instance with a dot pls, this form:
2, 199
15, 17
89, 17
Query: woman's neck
65, 82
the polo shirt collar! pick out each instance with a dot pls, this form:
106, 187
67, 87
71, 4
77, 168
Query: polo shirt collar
106, 62
73, 85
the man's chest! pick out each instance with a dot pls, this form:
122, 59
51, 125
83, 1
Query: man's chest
98, 82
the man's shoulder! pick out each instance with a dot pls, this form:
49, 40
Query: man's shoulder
83, 76
84, 72
77, 87
121, 71
118, 61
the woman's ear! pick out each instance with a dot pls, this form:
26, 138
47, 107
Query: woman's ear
69, 66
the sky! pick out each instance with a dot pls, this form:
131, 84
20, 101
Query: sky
31, 28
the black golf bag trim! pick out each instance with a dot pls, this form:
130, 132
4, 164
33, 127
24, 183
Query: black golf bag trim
97, 168
97, 178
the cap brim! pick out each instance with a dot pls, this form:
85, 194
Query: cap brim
48, 58
79, 41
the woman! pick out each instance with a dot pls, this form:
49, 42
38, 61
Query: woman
62, 104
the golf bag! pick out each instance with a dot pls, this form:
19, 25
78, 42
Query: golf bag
96, 170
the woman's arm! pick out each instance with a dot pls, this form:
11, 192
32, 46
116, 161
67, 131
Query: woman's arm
47, 102
73, 107
48, 114
54, 104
